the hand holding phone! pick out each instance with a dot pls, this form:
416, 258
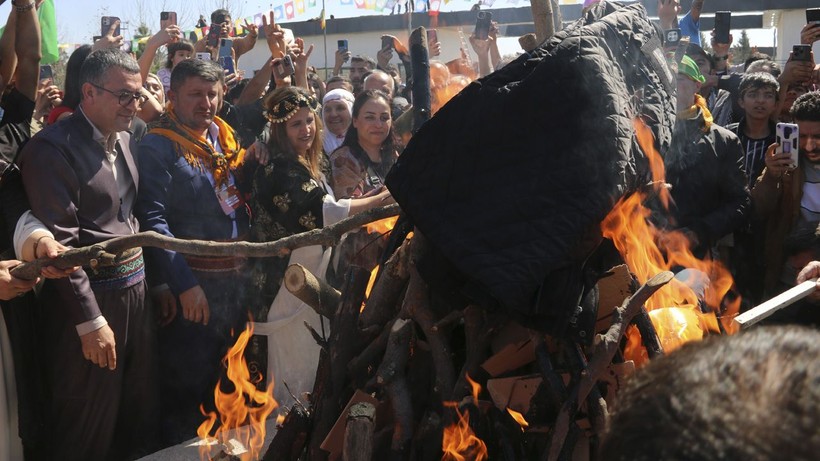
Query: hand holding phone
482, 25
343, 49
282, 67
46, 72
214, 33
801, 53
110, 25
788, 136
167, 18
723, 24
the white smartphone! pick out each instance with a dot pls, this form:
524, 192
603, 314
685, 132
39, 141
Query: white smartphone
205, 56
788, 137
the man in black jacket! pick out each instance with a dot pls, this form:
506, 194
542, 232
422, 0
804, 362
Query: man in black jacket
704, 165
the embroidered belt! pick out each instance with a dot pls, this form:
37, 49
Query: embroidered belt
215, 265
128, 270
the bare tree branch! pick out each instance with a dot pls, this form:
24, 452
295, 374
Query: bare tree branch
103, 253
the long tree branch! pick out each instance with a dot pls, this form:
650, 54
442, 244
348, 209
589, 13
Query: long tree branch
103, 253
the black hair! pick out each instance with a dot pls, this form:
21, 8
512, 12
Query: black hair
758, 80
73, 88
753, 396
756, 56
206, 70
390, 145
218, 16
371, 63
806, 108
98, 63
182, 45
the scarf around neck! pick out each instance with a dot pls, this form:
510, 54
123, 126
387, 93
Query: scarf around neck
692, 112
198, 151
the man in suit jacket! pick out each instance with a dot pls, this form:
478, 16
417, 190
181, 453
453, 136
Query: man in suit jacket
81, 178
190, 189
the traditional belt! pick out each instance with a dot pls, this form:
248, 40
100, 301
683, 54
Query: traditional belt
215, 265
128, 270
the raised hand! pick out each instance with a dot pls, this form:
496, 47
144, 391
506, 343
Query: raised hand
109, 40
274, 36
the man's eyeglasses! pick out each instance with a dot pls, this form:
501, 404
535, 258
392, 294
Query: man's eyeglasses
124, 98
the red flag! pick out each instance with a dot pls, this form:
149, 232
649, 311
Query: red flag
289, 11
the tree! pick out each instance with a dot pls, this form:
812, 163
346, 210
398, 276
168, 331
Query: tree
743, 49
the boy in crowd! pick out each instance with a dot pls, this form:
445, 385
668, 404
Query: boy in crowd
756, 129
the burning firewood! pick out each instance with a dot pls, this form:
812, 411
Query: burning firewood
311, 290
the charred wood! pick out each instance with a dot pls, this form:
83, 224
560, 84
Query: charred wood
358, 444
380, 307
391, 376
291, 437
649, 336
604, 351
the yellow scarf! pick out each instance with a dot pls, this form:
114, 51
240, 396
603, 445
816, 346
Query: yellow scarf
692, 112
199, 152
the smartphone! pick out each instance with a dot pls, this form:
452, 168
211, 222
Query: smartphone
671, 38
432, 36
167, 18
227, 63
813, 16
787, 135
723, 23
282, 67
225, 47
387, 42
213, 35
482, 25
105, 25
801, 53
205, 56
127, 46
46, 72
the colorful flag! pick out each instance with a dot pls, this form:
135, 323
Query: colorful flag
435, 5
300, 6
359, 4
279, 13
289, 13
370, 4
322, 19
311, 3
346, 2
421, 6
380, 4
257, 19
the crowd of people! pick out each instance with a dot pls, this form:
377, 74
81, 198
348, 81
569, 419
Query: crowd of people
114, 362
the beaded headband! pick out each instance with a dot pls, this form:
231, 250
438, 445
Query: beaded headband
286, 108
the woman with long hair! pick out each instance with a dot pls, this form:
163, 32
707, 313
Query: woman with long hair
369, 150
290, 195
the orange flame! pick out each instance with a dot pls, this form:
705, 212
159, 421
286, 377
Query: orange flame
519, 418
637, 240
459, 442
243, 411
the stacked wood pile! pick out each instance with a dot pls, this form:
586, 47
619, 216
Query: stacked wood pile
402, 370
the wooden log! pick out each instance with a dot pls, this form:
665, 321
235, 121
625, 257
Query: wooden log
344, 343
427, 441
787, 298
649, 336
380, 307
312, 291
420, 60
478, 332
416, 305
290, 438
602, 355
391, 376
542, 19
103, 253
358, 444
358, 367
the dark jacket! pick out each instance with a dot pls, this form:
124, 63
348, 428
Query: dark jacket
709, 191
178, 200
72, 191
511, 179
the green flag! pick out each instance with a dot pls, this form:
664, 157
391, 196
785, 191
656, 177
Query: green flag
48, 33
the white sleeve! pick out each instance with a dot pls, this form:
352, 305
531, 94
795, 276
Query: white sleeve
27, 225
334, 211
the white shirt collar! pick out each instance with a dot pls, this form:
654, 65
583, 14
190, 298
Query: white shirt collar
107, 143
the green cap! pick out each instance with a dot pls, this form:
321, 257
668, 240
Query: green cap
688, 68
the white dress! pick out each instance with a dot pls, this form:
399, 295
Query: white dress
293, 354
